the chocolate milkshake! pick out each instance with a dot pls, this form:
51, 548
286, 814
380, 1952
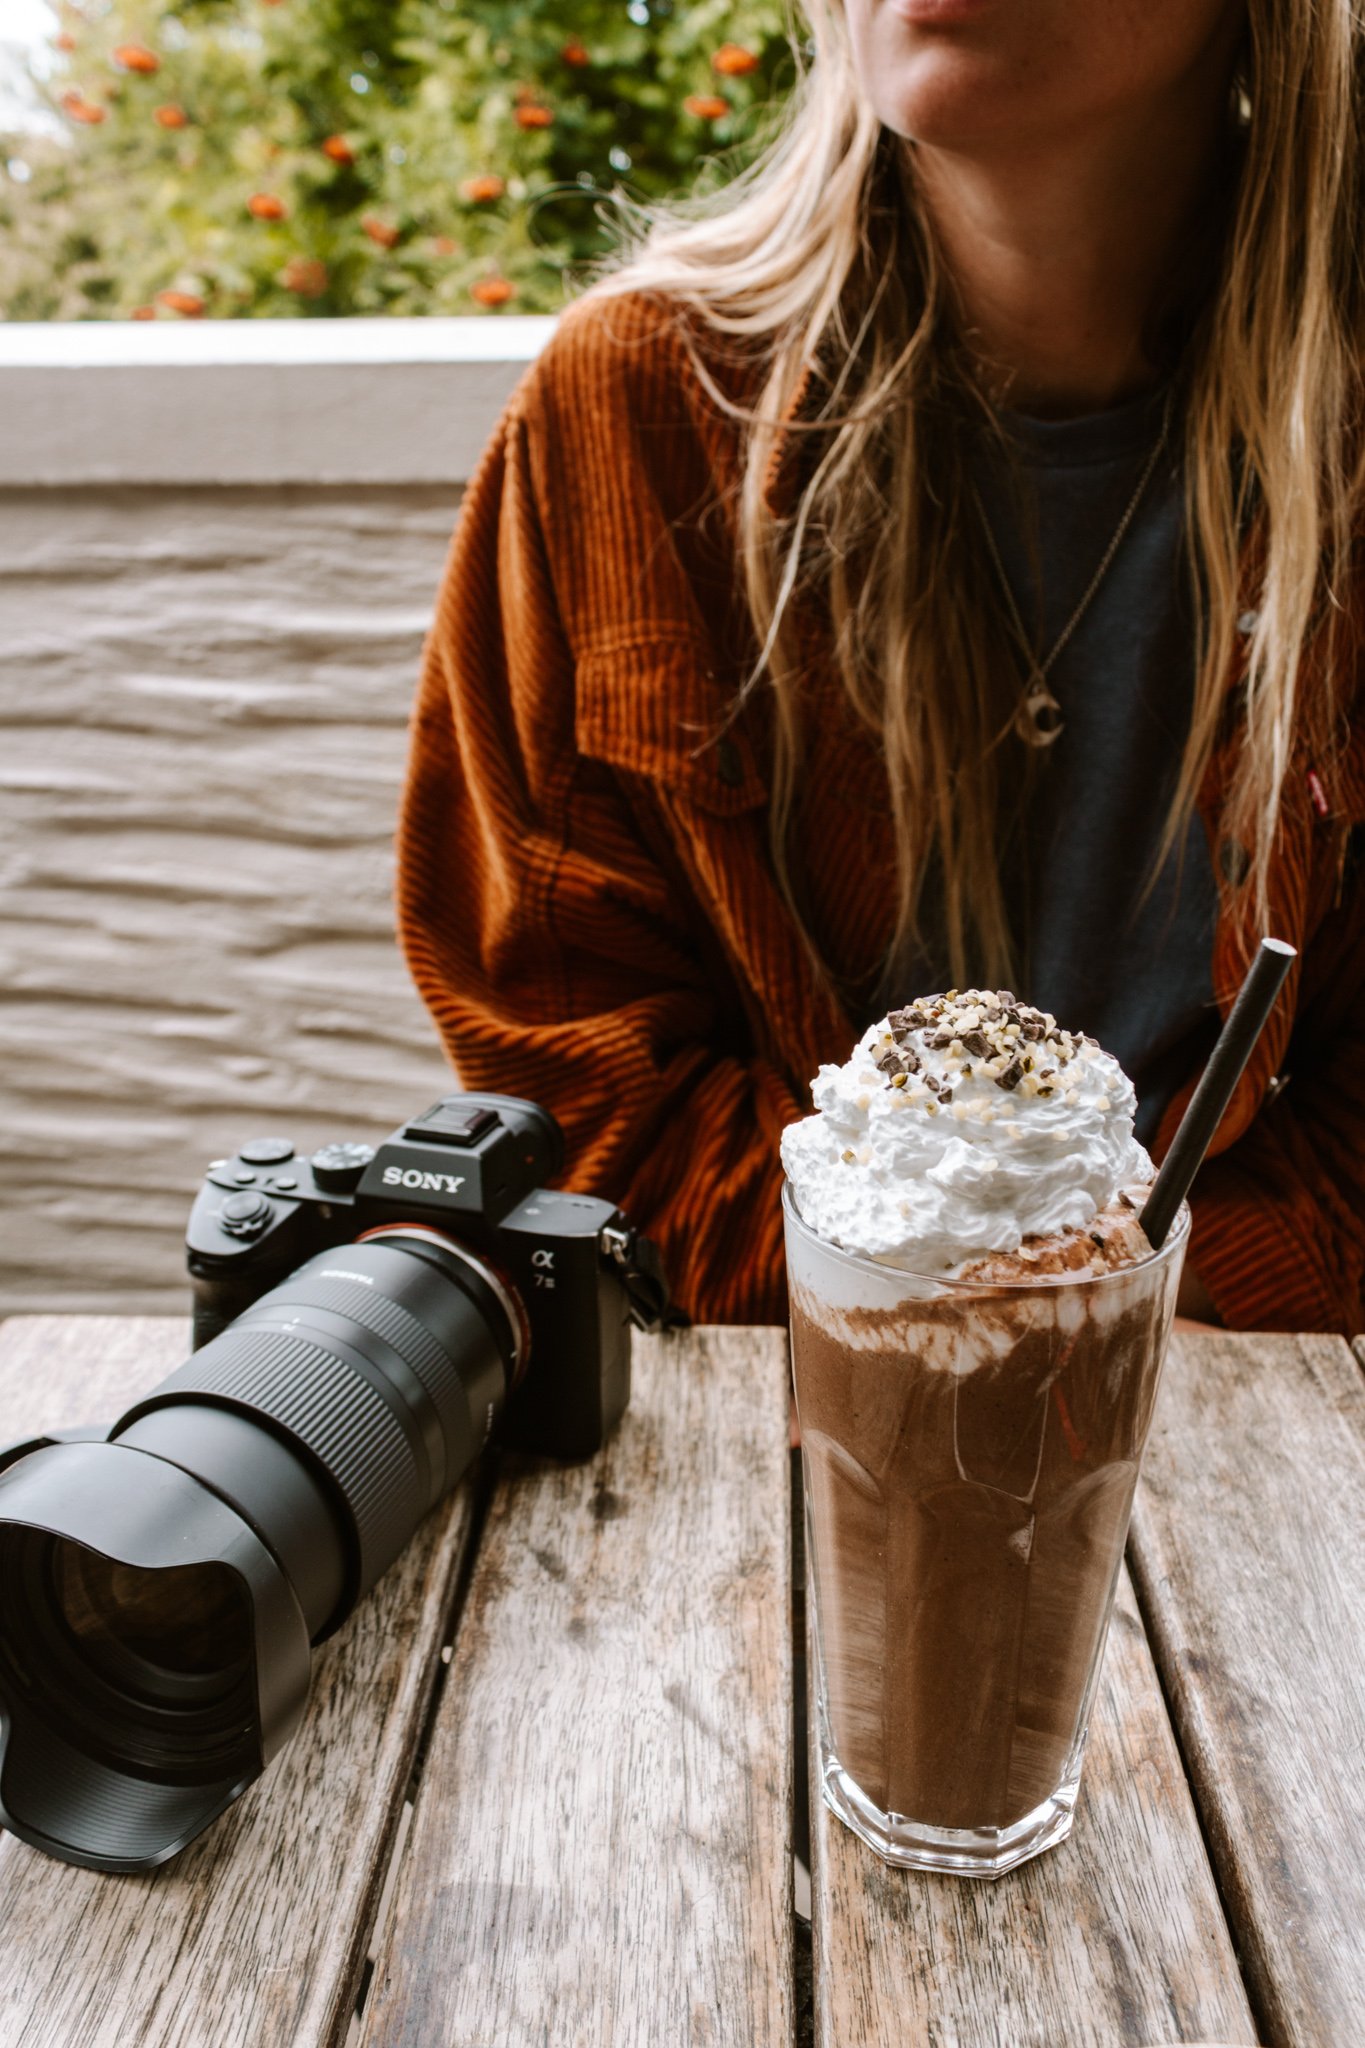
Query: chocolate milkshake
978, 1324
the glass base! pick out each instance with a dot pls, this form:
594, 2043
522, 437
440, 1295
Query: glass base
961, 1852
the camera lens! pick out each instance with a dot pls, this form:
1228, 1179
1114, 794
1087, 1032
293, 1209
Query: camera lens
169, 1634
382, 1364
159, 1591
145, 1671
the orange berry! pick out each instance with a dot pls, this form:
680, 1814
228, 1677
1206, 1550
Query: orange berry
143, 313
338, 149
732, 60
266, 206
170, 116
306, 275
534, 117
574, 53
493, 291
188, 304
378, 230
133, 57
81, 109
705, 106
445, 245
64, 40
478, 190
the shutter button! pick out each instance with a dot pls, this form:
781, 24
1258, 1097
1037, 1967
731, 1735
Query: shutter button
245, 1215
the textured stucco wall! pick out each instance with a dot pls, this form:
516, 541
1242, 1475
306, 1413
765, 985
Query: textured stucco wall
203, 696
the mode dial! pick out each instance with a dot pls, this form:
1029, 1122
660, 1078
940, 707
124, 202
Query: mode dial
338, 1169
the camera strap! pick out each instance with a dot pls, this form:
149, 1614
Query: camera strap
637, 1260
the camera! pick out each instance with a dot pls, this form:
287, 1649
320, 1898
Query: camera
365, 1321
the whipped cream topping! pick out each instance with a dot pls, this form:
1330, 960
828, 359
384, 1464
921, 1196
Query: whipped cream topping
962, 1125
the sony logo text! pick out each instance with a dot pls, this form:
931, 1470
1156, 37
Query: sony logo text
410, 1177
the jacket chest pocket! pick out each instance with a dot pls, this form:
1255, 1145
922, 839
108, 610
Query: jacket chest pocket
655, 708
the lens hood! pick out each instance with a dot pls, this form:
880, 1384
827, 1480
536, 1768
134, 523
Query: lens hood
73, 1781
162, 1583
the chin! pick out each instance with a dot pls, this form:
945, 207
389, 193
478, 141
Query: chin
950, 100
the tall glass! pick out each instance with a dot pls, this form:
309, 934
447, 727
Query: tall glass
970, 1453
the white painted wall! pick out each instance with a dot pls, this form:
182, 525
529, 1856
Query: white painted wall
218, 553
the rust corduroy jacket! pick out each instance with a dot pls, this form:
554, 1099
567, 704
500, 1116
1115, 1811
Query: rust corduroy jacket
587, 901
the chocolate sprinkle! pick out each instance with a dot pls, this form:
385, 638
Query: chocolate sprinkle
983, 1026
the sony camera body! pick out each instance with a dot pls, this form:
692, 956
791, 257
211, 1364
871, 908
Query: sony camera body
572, 1273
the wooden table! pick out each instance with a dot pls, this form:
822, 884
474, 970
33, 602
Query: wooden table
544, 1791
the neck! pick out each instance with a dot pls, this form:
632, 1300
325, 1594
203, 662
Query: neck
1059, 256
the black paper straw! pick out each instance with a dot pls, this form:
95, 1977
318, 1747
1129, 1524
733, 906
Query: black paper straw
1246, 1021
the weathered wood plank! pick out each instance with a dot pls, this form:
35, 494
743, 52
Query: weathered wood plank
256, 1935
601, 1851
1249, 1553
1115, 1939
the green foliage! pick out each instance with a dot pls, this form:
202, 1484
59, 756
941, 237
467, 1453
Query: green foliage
469, 149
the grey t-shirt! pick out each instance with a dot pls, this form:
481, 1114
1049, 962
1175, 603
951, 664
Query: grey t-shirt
1135, 973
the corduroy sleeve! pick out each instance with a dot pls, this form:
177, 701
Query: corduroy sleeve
554, 940
1279, 1218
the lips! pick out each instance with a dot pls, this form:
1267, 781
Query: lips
933, 14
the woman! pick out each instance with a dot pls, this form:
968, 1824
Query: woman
931, 558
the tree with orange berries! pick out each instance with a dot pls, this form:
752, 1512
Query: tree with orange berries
223, 158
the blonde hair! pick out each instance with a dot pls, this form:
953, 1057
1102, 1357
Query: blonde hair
817, 253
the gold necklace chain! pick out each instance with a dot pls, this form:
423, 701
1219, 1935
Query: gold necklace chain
1038, 716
